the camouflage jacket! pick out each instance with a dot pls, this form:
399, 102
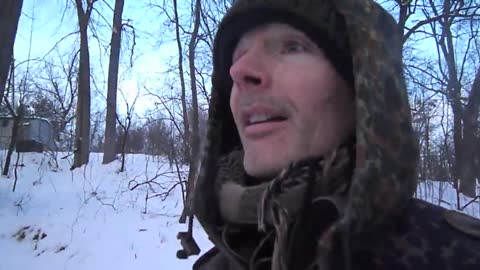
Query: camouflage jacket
425, 237
380, 225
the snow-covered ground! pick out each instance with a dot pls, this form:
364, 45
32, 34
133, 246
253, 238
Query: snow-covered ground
90, 219
443, 194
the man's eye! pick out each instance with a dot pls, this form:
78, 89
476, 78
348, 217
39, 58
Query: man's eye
293, 46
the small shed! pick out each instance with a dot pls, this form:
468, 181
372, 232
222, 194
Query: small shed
34, 135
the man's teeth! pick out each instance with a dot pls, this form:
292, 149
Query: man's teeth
259, 118
256, 118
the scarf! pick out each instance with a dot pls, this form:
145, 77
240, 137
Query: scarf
284, 213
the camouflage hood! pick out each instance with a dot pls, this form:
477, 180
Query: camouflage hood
385, 161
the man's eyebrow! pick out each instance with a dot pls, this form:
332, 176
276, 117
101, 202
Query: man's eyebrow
276, 36
236, 51
238, 48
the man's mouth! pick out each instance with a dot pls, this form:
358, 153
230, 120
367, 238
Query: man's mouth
259, 123
261, 118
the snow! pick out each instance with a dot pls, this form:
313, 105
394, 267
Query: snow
90, 219
442, 193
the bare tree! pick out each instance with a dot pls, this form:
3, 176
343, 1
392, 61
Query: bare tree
110, 121
186, 126
97, 134
56, 94
453, 14
159, 137
17, 115
453, 26
195, 136
82, 128
469, 156
10, 11
125, 125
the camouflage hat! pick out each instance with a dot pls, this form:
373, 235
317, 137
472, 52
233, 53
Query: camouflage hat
317, 19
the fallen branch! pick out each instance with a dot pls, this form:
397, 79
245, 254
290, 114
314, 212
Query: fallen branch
470, 202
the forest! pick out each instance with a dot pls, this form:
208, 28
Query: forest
96, 86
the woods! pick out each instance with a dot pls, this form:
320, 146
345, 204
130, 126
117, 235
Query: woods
101, 87
445, 102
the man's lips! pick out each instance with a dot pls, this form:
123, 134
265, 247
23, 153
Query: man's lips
260, 120
259, 130
260, 114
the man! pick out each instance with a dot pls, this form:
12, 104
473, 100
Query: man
311, 157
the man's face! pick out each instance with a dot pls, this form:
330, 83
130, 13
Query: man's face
287, 100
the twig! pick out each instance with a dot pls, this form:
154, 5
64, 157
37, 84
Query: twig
15, 172
470, 202
164, 195
148, 182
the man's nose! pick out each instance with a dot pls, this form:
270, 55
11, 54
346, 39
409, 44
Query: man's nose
250, 71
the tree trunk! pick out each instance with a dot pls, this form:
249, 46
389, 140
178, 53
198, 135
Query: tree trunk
124, 149
403, 15
186, 126
82, 129
17, 118
10, 11
110, 121
428, 158
454, 91
11, 147
469, 143
195, 136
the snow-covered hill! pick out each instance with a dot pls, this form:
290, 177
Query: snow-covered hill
90, 219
